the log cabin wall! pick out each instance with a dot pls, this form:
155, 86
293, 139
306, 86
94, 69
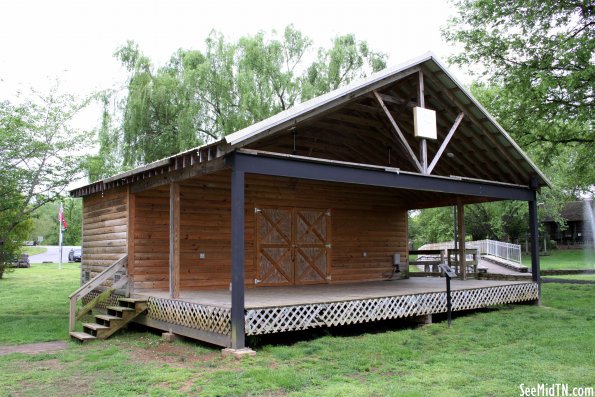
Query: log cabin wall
368, 226
149, 265
105, 229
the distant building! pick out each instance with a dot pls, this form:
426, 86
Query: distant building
574, 234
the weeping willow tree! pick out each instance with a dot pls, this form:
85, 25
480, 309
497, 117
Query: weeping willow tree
200, 96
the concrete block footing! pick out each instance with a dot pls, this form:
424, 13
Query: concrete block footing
238, 353
423, 320
169, 336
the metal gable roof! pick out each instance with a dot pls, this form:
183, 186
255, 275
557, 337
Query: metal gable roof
455, 95
310, 108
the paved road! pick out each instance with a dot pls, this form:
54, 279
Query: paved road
52, 255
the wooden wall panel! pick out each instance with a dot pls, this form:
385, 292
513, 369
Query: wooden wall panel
105, 230
368, 226
151, 240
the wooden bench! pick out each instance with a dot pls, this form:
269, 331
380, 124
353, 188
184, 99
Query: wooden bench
471, 264
429, 259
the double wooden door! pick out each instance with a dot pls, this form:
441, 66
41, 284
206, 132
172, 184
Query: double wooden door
292, 245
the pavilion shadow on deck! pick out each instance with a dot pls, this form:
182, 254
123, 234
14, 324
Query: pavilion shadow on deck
206, 314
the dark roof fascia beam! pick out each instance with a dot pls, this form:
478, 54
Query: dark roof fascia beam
291, 168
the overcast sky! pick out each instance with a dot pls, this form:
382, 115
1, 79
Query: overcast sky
75, 40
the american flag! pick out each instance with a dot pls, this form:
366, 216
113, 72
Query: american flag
61, 218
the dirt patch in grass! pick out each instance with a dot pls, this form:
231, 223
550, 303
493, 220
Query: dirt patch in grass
80, 385
175, 354
34, 348
76, 383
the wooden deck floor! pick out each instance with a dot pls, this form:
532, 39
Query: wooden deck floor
267, 297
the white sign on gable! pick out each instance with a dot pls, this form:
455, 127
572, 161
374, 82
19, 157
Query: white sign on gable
424, 122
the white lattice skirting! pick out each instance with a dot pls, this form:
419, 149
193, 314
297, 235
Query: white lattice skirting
292, 318
111, 300
205, 318
300, 317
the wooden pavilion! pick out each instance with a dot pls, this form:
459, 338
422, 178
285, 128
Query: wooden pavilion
300, 220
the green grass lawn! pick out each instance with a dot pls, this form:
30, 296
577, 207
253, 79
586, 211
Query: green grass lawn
564, 259
34, 303
33, 250
486, 353
590, 277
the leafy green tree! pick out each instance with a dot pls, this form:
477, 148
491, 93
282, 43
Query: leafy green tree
568, 164
347, 60
537, 59
502, 221
106, 162
40, 155
433, 225
201, 96
45, 222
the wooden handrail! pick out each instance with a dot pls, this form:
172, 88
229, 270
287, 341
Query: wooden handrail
92, 284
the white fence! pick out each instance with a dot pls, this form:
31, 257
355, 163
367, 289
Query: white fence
508, 251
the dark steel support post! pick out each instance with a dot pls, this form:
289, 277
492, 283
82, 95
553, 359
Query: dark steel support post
454, 229
448, 300
238, 337
533, 229
461, 235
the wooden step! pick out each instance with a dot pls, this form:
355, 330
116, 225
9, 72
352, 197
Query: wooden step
116, 318
132, 300
82, 337
94, 326
119, 308
108, 320
96, 330
107, 317
120, 311
140, 305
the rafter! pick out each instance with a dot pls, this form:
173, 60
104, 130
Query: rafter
399, 134
422, 104
479, 124
445, 142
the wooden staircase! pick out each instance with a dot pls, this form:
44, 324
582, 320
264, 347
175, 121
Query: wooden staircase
117, 317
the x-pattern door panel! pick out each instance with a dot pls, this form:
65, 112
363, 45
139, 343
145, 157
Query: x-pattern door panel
311, 246
274, 231
293, 246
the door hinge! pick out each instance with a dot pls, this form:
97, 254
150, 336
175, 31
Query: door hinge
328, 245
257, 281
256, 210
328, 277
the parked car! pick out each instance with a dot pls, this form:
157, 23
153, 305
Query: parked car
75, 255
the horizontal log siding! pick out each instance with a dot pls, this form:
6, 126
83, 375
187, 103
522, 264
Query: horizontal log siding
369, 220
105, 226
151, 240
